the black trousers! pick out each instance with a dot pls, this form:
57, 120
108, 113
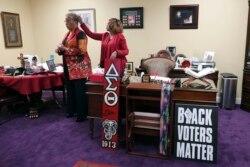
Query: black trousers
76, 97
76, 94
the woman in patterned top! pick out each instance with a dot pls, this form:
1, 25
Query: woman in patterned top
77, 67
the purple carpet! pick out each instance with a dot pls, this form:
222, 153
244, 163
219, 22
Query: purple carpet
55, 141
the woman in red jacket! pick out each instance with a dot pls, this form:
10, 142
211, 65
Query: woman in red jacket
77, 67
113, 43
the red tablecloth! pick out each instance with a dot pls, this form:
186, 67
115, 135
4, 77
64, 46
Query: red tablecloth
32, 83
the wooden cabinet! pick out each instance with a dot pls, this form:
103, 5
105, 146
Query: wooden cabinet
145, 98
143, 119
245, 97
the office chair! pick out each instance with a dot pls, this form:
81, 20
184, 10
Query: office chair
164, 53
9, 98
159, 66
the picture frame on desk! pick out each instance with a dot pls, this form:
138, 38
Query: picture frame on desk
2, 71
131, 17
51, 65
208, 56
145, 78
11, 30
184, 16
171, 50
130, 67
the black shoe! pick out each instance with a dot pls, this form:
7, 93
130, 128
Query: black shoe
69, 115
80, 119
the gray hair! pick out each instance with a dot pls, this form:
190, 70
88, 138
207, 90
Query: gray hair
72, 16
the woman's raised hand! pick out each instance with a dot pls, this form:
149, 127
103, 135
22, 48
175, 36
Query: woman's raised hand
80, 19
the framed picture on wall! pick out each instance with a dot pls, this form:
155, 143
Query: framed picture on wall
184, 16
11, 29
88, 17
132, 17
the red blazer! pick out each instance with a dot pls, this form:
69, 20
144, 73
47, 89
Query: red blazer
108, 46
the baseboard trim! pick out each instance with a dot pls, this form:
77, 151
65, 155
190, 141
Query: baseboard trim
237, 100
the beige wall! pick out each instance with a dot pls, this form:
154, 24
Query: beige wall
8, 56
222, 28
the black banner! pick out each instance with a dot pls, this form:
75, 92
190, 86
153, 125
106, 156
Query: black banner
195, 132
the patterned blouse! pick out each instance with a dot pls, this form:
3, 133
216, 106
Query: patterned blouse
76, 58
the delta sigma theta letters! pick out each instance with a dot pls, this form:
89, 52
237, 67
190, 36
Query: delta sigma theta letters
110, 111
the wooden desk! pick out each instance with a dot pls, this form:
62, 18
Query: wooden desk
180, 73
190, 96
146, 97
95, 102
197, 96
